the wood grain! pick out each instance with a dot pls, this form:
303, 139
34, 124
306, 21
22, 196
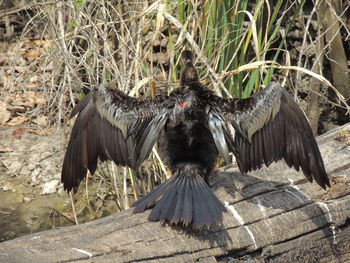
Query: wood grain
274, 215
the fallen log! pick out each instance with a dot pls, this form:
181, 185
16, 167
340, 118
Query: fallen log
274, 215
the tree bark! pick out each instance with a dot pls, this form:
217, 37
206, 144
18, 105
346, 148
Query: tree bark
336, 53
328, 44
313, 106
273, 215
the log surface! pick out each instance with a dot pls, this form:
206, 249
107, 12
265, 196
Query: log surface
274, 215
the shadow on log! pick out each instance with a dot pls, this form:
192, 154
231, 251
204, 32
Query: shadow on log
274, 215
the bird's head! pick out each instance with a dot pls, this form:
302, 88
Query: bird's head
189, 76
187, 57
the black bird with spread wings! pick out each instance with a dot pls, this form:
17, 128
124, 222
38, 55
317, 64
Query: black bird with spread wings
192, 126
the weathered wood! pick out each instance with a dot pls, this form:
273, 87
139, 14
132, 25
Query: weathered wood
273, 215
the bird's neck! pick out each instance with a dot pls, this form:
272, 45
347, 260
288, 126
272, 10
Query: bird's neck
189, 76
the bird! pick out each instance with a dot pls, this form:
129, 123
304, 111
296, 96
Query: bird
192, 127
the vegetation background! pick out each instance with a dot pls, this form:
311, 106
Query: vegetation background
55, 51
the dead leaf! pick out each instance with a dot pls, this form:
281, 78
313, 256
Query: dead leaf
34, 79
44, 43
41, 120
19, 69
40, 99
19, 103
18, 98
9, 99
4, 149
4, 113
17, 133
31, 86
17, 121
31, 97
30, 54
35, 98
17, 109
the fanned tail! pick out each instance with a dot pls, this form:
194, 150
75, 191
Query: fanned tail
184, 199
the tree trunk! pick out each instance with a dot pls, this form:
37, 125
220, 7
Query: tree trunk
328, 44
274, 215
336, 53
313, 106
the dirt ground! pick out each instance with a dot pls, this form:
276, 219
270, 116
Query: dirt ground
31, 152
31, 196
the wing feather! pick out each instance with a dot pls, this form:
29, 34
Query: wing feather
269, 126
111, 126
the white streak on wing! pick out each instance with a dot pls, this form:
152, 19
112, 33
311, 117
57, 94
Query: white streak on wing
217, 126
232, 133
113, 114
266, 107
332, 227
240, 221
231, 130
83, 251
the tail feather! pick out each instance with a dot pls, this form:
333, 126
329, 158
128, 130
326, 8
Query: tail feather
181, 202
187, 214
165, 206
214, 205
200, 217
151, 198
184, 199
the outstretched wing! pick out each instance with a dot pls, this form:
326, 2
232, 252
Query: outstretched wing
265, 128
111, 126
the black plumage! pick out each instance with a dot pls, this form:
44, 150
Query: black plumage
193, 126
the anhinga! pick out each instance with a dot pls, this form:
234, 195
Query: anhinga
192, 126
